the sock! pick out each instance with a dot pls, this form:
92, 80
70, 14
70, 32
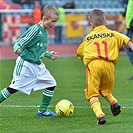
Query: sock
4, 94
96, 106
110, 99
46, 98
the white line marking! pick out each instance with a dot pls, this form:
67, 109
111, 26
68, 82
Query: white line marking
35, 106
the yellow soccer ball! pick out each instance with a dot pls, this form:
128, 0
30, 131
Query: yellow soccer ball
64, 108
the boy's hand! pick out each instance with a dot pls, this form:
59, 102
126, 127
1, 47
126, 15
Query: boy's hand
55, 55
18, 51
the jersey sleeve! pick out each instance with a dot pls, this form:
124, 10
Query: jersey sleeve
122, 39
15, 47
48, 54
80, 50
26, 38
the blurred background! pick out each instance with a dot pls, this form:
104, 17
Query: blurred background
17, 15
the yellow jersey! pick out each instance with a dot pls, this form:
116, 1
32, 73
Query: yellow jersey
101, 43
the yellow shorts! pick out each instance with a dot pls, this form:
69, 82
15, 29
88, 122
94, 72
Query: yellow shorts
99, 78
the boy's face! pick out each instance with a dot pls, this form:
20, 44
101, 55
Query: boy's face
50, 22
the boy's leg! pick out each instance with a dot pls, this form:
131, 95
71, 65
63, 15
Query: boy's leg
115, 107
110, 99
46, 98
96, 107
5, 93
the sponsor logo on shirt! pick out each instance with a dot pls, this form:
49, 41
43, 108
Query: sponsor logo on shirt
102, 35
41, 44
38, 44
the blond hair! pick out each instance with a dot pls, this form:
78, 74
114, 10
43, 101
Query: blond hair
97, 17
48, 11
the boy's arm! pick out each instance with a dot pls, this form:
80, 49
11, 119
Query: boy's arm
51, 55
17, 48
80, 51
48, 54
130, 44
22, 41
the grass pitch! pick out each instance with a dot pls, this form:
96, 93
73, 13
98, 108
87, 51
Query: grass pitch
18, 114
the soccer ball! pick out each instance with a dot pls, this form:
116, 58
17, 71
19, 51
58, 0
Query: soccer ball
64, 108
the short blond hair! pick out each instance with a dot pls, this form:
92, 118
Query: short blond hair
97, 17
48, 11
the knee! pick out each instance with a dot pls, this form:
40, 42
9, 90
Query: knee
11, 90
51, 88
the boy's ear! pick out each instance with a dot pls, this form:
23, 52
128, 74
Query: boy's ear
44, 18
92, 25
105, 23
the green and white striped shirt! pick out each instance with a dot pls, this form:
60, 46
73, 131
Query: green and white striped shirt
33, 43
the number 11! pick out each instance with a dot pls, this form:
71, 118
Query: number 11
105, 49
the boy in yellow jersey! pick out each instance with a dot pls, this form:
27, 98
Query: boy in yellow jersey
99, 52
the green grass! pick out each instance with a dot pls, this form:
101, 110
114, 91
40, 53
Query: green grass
18, 113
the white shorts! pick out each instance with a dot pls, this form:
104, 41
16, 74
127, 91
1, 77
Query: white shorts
28, 76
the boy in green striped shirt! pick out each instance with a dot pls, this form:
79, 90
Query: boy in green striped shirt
30, 72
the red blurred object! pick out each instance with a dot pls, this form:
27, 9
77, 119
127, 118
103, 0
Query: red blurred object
6, 5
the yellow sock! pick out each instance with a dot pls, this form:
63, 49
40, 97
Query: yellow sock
96, 106
110, 99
